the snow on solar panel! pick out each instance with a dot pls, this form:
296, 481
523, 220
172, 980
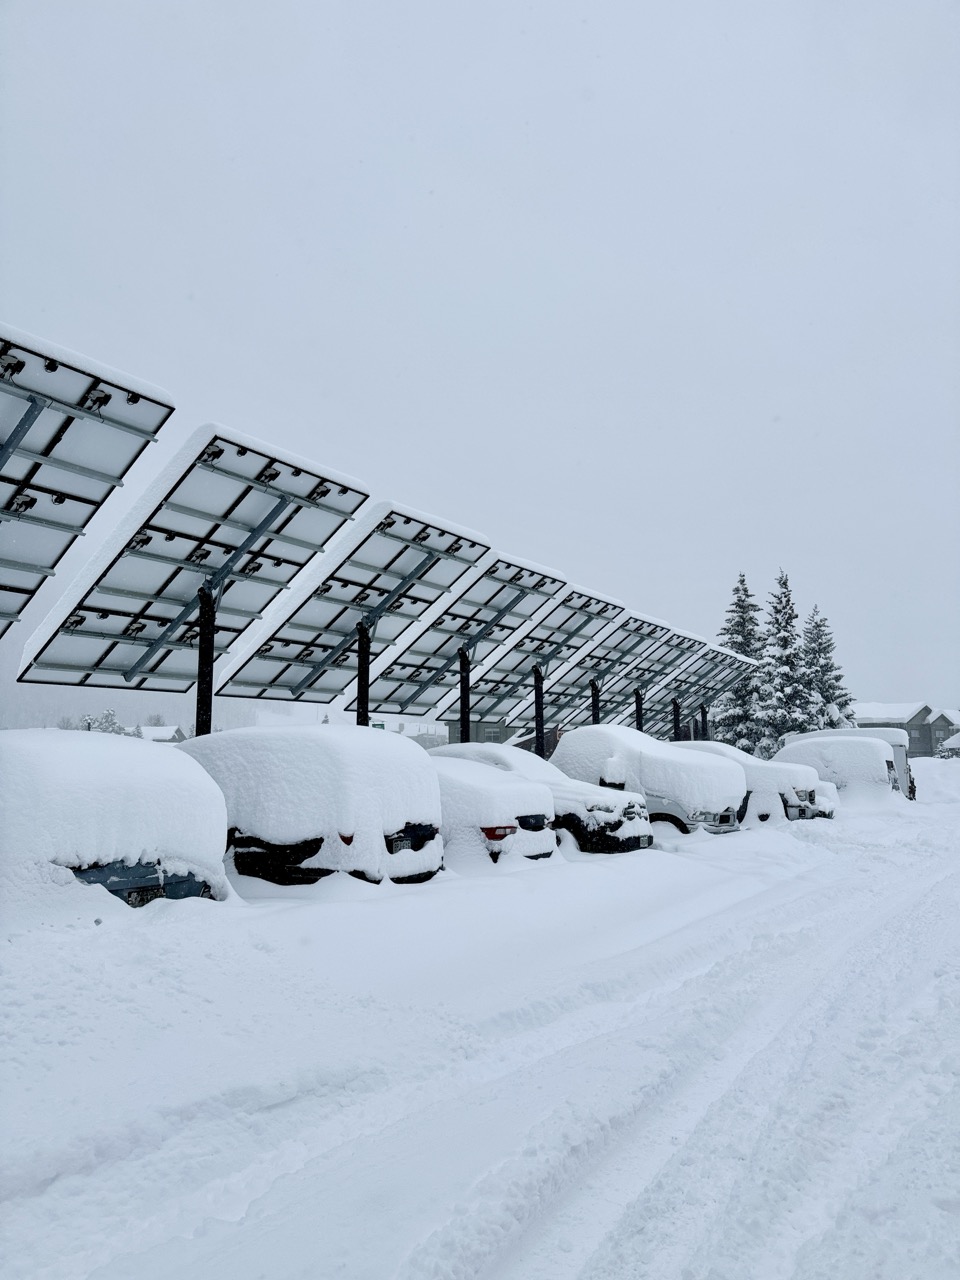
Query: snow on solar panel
651, 671
481, 619
505, 682
69, 433
240, 518
700, 678
401, 565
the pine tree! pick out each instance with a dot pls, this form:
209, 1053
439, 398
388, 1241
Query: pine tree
108, 722
833, 705
786, 705
735, 712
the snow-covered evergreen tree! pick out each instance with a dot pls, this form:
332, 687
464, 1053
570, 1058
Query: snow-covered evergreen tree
833, 705
786, 705
108, 722
735, 713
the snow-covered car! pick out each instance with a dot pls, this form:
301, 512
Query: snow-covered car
862, 769
137, 818
682, 788
600, 821
773, 787
485, 809
305, 802
898, 740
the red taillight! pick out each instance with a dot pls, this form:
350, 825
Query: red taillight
498, 833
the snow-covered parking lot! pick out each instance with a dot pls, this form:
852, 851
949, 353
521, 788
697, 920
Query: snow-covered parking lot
730, 1057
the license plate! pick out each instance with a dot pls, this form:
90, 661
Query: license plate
400, 845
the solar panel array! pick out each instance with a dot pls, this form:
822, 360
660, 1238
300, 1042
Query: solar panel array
68, 436
242, 518
299, 563
400, 569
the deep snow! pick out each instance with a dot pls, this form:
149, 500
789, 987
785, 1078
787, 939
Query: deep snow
731, 1058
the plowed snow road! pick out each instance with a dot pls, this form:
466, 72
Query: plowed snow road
735, 1059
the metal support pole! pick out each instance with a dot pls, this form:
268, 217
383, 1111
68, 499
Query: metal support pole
205, 642
363, 673
594, 701
638, 708
675, 703
540, 740
704, 727
464, 695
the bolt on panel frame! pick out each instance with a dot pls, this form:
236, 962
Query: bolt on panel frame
241, 520
68, 437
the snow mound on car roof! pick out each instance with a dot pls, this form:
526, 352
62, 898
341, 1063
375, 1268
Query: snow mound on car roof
286, 785
74, 798
702, 783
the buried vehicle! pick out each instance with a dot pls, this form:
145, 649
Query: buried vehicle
773, 787
600, 821
897, 739
861, 768
487, 811
307, 801
134, 817
680, 787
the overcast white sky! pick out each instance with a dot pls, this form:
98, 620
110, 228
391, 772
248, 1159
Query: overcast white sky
650, 293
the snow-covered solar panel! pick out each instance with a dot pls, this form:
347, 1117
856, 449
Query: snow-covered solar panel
650, 671
502, 687
241, 518
401, 567
622, 649
702, 679
481, 619
69, 433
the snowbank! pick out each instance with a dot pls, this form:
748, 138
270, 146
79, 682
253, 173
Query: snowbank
642, 763
858, 767
938, 781
75, 799
285, 786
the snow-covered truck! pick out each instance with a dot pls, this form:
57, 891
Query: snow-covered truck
683, 788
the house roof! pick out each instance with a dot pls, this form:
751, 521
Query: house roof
159, 732
889, 712
952, 715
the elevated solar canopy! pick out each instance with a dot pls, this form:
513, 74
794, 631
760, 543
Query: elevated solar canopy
704, 676
479, 620
68, 435
403, 564
502, 686
240, 523
649, 668
626, 654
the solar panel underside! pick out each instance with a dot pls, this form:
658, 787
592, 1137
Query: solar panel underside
240, 519
480, 620
67, 439
630, 647
701, 680
396, 573
501, 689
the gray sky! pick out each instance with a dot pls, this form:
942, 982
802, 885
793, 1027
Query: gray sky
648, 293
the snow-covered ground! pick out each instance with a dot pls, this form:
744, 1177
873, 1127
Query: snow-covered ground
729, 1058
